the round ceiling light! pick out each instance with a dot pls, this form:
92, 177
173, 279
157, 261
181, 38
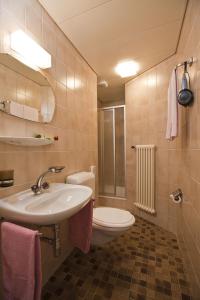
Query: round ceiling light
127, 68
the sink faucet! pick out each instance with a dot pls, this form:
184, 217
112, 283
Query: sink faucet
40, 185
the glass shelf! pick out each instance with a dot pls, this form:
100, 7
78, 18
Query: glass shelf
26, 141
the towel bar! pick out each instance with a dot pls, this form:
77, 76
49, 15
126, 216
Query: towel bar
40, 234
55, 240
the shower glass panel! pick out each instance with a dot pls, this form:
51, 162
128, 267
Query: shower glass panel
119, 153
112, 151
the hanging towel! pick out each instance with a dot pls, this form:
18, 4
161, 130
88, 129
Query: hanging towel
80, 228
21, 263
172, 117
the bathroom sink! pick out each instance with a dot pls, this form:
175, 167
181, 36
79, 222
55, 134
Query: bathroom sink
59, 202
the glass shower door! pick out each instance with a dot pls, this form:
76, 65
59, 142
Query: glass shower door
107, 175
111, 150
119, 152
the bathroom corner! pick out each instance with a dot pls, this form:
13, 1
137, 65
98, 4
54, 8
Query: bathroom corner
177, 161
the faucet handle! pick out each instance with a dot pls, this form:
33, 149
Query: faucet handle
45, 185
35, 189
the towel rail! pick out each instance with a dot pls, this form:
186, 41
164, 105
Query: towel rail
40, 234
55, 241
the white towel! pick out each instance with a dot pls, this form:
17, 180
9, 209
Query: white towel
31, 113
172, 117
15, 109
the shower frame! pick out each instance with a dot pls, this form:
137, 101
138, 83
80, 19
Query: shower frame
114, 148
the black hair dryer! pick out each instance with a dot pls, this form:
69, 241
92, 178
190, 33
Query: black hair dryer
185, 96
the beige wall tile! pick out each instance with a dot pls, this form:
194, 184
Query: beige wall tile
75, 115
177, 162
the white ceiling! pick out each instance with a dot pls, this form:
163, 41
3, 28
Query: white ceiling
108, 31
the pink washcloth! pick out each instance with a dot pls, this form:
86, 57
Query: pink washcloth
80, 228
21, 263
172, 117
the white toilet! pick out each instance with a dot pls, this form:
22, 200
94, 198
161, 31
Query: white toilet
108, 222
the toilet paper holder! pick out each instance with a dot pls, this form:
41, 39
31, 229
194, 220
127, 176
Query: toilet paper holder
177, 196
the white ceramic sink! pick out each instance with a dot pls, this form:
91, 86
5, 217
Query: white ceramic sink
59, 202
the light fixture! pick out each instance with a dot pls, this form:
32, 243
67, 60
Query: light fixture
28, 51
127, 68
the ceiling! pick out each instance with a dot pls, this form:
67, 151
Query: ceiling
108, 31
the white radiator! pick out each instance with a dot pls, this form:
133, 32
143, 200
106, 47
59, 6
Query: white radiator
145, 177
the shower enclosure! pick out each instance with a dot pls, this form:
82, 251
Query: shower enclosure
112, 151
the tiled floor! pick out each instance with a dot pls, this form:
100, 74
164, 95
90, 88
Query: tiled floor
144, 263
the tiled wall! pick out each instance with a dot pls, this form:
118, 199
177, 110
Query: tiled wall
177, 162
75, 120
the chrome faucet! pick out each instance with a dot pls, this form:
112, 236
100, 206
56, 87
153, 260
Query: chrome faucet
40, 186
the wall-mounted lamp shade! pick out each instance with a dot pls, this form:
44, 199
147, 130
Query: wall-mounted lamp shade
29, 52
127, 68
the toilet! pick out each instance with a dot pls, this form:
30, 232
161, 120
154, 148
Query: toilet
108, 222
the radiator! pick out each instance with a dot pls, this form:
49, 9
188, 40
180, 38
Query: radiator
145, 178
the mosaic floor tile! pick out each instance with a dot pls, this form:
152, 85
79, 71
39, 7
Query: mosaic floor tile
143, 264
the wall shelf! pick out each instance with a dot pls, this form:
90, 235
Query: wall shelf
25, 141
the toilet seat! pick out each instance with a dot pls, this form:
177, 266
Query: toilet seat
109, 217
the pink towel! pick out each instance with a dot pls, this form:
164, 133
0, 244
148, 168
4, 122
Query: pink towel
80, 228
21, 263
172, 118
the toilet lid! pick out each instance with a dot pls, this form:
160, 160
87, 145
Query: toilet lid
112, 217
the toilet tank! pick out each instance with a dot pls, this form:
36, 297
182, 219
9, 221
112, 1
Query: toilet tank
83, 178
